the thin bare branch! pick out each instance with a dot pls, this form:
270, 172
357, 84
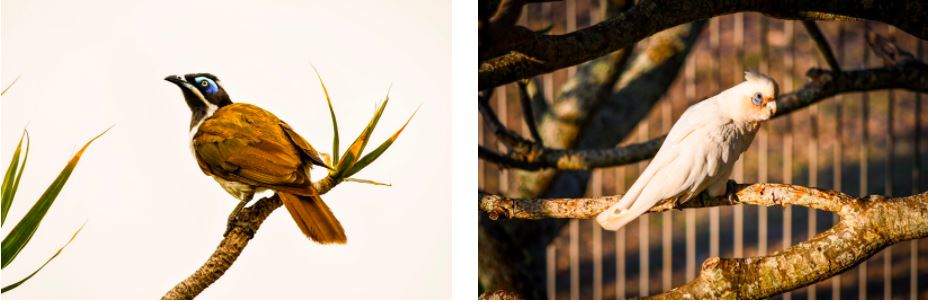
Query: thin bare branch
822, 43
905, 74
527, 113
516, 143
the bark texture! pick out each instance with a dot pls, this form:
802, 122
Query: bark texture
867, 225
233, 244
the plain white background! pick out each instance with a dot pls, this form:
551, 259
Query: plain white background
153, 217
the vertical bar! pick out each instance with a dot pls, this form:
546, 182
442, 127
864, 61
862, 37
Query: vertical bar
570, 13
644, 229
916, 181
838, 149
888, 181
503, 112
551, 251
762, 144
789, 63
667, 217
597, 190
551, 270
574, 252
690, 92
620, 279
813, 178
739, 163
715, 82
864, 169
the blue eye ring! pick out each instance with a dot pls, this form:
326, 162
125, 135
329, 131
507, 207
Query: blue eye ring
757, 99
207, 85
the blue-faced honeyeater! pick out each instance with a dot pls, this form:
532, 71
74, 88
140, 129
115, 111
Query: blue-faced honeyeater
247, 149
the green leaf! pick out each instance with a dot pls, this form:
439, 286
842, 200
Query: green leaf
17, 239
20, 282
12, 177
365, 181
370, 157
354, 151
334, 121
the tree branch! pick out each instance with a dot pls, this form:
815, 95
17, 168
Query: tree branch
822, 43
521, 53
867, 225
906, 73
233, 244
528, 113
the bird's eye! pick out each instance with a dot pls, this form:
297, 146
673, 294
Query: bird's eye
204, 83
758, 99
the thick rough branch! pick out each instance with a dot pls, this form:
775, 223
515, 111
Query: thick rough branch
867, 225
522, 53
233, 244
906, 74
588, 207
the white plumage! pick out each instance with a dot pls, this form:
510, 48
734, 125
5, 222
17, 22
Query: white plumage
700, 150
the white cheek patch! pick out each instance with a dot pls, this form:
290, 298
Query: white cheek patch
210, 109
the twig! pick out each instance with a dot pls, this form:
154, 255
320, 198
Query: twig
822, 44
527, 113
510, 138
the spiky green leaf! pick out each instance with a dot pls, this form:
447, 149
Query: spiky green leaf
334, 121
8, 86
365, 181
370, 157
354, 151
17, 239
20, 282
12, 177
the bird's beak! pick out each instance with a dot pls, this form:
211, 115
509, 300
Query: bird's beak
772, 105
177, 80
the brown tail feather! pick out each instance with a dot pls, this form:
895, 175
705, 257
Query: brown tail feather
314, 218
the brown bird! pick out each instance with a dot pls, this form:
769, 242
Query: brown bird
247, 149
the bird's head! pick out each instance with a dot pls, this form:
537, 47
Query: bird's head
755, 98
202, 91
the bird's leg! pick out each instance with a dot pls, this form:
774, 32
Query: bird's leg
233, 217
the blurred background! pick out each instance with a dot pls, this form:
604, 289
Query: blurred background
858, 143
152, 216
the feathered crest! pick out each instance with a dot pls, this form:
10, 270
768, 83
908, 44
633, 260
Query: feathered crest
753, 75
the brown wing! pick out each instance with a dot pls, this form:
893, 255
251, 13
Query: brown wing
304, 146
245, 143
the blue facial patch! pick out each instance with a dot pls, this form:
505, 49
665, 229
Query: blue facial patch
206, 85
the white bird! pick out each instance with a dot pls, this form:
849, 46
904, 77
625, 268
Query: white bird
700, 150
